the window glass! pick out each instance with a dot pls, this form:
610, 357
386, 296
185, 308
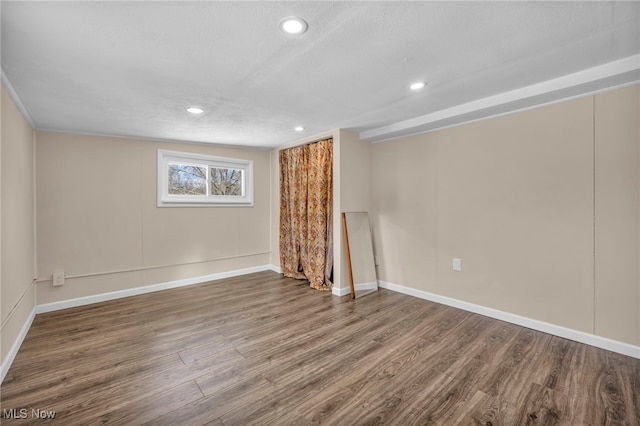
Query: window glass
193, 180
187, 180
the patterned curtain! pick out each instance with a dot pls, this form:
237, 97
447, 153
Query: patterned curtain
306, 213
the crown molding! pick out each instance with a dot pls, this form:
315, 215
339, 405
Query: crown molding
16, 99
614, 74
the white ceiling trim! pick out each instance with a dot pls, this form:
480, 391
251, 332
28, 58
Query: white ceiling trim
16, 99
604, 77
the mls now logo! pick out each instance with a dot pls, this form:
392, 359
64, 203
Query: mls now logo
23, 413
15, 413
37, 413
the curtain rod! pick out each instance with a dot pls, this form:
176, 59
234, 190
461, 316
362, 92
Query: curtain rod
309, 143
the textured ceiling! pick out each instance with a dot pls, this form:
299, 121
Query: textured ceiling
132, 68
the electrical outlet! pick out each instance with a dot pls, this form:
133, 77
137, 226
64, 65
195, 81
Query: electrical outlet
58, 279
457, 265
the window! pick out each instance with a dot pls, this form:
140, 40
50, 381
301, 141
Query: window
188, 180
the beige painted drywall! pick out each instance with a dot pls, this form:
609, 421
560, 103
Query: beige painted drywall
355, 172
617, 214
274, 208
513, 197
17, 223
97, 218
355, 185
403, 191
515, 204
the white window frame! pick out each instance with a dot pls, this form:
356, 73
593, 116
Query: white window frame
171, 200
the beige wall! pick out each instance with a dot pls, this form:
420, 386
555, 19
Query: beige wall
97, 219
16, 223
274, 228
513, 197
403, 208
354, 184
617, 213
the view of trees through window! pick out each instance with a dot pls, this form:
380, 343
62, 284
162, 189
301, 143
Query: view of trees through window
226, 181
185, 179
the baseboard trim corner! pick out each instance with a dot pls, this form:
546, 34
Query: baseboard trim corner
556, 330
340, 291
275, 268
11, 355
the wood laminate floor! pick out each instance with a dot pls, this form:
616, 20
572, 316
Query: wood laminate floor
262, 349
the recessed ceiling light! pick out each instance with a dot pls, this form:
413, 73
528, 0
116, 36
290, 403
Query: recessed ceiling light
298, 128
293, 25
417, 85
195, 110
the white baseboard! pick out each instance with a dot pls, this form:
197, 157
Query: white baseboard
342, 291
275, 268
103, 297
556, 330
8, 360
334, 290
